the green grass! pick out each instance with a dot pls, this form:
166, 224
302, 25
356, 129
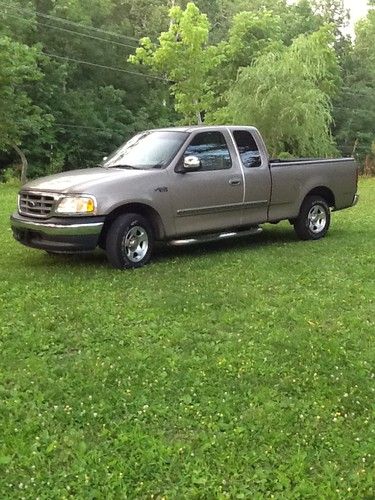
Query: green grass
240, 369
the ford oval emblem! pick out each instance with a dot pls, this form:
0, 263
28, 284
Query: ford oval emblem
31, 204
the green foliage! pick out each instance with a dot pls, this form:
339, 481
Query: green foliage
332, 12
18, 115
355, 106
183, 57
85, 112
8, 176
299, 18
250, 35
232, 370
288, 96
65, 114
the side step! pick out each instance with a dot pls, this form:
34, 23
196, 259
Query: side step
204, 238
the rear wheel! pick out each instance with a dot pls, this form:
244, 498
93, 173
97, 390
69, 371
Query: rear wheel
313, 220
129, 241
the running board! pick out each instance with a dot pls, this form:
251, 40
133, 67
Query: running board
205, 238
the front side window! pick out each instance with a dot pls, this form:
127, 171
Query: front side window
154, 149
212, 150
247, 148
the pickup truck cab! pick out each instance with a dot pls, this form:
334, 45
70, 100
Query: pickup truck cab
180, 185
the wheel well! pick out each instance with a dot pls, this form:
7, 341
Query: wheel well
138, 208
325, 193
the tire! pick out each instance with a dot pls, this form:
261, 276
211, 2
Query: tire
129, 242
314, 219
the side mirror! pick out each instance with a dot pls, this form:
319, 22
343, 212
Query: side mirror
191, 163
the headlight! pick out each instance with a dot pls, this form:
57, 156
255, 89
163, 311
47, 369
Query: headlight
71, 205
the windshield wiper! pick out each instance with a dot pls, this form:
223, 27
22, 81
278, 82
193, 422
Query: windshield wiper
122, 165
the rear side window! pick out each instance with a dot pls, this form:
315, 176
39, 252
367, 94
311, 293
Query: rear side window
212, 150
247, 148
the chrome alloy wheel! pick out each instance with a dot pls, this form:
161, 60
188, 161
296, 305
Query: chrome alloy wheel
135, 244
317, 218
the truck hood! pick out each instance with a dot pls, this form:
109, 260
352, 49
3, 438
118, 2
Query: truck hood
81, 181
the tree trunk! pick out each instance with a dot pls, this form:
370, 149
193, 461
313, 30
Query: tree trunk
199, 118
355, 146
24, 163
369, 168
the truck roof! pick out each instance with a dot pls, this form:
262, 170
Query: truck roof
191, 128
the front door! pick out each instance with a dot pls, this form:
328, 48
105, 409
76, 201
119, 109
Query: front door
209, 199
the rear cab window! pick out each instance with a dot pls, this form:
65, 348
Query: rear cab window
247, 148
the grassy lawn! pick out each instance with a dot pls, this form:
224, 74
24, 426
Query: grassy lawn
239, 369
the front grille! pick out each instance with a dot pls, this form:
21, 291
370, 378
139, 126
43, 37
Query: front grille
36, 204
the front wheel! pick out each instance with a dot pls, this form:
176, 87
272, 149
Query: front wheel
313, 220
129, 242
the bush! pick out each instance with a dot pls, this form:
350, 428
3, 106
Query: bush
9, 176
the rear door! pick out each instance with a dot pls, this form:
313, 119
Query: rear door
257, 177
209, 199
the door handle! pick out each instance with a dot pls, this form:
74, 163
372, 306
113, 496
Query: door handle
234, 182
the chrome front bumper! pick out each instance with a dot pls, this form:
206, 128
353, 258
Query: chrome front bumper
58, 229
58, 234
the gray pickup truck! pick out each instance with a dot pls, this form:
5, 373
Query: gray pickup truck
180, 185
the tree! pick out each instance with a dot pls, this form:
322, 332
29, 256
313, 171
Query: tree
18, 116
73, 113
355, 105
286, 94
183, 57
251, 35
332, 12
299, 19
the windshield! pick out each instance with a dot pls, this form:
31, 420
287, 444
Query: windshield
146, 150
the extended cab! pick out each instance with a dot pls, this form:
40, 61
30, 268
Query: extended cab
180, 185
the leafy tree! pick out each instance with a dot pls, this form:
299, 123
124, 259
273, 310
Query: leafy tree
332, 12
183, 57
299, 18
355, 105
251, 35
91, 110
72, 113
286, 94
18, 115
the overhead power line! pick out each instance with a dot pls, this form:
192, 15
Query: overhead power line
71, 125
113, 68
66, 21
86, 35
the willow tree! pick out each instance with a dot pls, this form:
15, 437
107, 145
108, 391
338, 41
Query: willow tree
287, 95
251, 34
182, 56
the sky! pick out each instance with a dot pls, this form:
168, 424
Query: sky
358, 9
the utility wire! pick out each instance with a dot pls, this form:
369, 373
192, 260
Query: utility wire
70, 125
72, 31
113, 68
79, 61
66, 21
